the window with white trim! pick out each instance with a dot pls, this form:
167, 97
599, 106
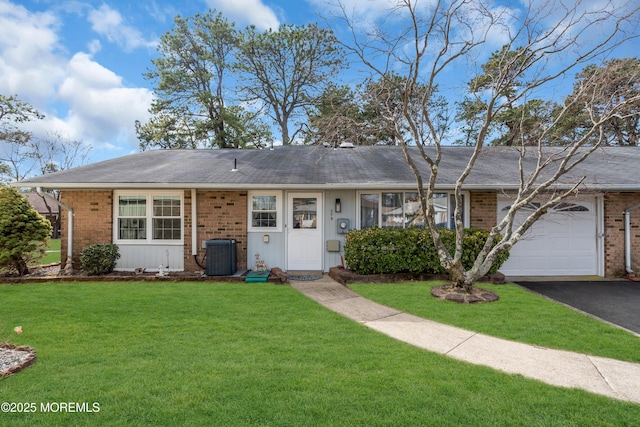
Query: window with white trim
265, 211
167, 217
148, 217
402, 209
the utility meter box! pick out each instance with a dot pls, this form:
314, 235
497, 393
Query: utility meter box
343, 225
333, 245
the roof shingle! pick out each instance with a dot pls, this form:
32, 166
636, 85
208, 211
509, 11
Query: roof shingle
612, 168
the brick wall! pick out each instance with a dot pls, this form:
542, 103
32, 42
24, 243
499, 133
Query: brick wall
92, 220
614, 206
221, 215
483, 210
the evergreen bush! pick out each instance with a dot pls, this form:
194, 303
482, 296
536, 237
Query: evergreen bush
23, 231
387, 250
99, 259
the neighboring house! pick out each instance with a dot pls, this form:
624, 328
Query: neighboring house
47, 209
293, 206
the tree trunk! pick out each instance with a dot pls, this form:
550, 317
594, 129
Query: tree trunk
285, 132
21, 265
55, 224
458, 278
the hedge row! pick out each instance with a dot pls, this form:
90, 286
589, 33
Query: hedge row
388, 250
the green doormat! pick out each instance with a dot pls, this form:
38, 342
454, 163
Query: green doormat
256, 276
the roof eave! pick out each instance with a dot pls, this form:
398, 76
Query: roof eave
314, 186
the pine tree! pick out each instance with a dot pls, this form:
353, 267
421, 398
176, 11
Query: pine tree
23, 231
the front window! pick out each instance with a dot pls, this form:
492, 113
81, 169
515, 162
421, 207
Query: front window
265, 212
149, 217
132, 217
392, 210
402, 209
369, 209
167, 219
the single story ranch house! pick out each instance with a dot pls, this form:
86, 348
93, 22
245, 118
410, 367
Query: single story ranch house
293, 206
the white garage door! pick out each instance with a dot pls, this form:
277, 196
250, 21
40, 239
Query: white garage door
561, 243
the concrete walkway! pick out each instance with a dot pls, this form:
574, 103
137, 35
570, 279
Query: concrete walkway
608, 377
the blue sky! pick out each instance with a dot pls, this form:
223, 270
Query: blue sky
81, 62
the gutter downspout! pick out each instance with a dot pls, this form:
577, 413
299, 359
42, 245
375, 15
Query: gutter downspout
194, 223
627, 239
68, 267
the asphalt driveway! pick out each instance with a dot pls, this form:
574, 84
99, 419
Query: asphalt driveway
614, 301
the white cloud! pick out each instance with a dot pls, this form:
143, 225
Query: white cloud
94, 46
81, 99
100, 108
29, 61
160, 13
364, 14
109, 23
244, 12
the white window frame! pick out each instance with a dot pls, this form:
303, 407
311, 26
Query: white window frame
279, 211
149, 195
465, 214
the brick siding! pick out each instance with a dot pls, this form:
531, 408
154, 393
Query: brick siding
483, 210
614, 206
92, 220
221, 215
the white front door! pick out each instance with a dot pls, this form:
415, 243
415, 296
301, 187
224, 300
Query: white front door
304, 231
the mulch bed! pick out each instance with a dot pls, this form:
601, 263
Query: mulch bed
14, 358
52, 273
450, 293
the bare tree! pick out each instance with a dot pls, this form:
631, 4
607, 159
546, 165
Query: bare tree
540, 43
54, 153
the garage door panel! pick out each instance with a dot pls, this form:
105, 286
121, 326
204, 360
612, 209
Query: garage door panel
554, 225
533, 262
555, 244
559, 243
554, 264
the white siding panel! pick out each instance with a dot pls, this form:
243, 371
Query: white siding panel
348, 201
150, 257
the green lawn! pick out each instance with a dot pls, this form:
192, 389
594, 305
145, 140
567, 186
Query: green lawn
54, 245
261, 354
53, 253
518, 315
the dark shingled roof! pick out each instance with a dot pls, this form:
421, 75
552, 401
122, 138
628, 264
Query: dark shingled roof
375, 167
39, 204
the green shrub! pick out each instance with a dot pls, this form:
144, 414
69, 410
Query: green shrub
23, 231
99, 258
385, 251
